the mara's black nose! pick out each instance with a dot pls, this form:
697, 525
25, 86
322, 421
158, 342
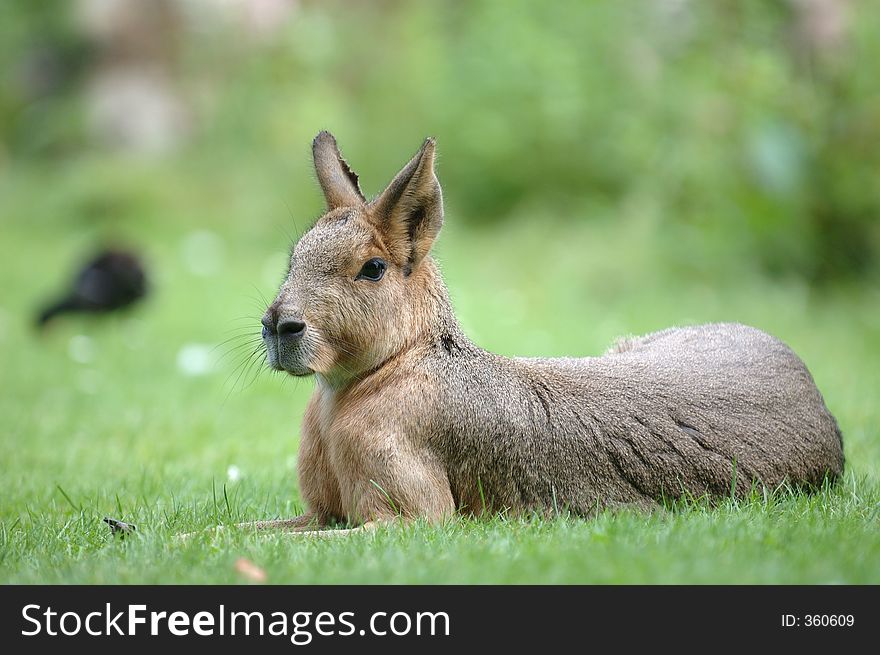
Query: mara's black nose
290, 327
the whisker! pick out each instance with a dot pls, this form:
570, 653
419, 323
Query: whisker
299, 232
241, 368
260, 362
260, 296
250, 319
241, 351
250, 337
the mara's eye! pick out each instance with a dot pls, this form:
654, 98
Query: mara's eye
373, 270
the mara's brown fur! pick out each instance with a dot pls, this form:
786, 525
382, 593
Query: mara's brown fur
411, 419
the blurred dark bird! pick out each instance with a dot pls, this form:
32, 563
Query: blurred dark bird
119, 528
112, 280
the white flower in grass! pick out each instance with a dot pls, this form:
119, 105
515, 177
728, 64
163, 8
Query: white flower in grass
233, 473
195, 359
203, 253
81, 349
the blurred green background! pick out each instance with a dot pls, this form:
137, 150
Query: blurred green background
608, 168
741, 134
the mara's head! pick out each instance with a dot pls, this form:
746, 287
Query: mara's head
355, 292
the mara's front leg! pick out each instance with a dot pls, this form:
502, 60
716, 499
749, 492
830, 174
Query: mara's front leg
379, 480
318, 488
363, 477
318, 484
382, 477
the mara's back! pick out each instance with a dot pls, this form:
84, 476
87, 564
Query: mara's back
687, 411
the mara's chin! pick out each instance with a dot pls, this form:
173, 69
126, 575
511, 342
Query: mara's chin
300, 373
296, 370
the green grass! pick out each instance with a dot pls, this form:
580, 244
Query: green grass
124, 433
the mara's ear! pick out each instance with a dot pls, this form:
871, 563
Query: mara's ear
409, 212
338, 181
